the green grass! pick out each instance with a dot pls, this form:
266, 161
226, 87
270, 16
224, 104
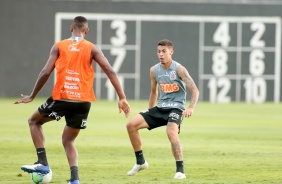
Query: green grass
232, 144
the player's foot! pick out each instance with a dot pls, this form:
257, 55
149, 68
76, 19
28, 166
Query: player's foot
179, 175
36, 168
74, 182
136, 168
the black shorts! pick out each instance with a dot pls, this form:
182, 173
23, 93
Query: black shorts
156, 117
75, 113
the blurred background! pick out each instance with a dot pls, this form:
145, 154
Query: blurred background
231, 48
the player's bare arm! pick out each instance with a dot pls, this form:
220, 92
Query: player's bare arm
99, 57
190, 84
154, 92
43, 76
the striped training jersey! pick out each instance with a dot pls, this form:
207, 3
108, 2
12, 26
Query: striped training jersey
171, 89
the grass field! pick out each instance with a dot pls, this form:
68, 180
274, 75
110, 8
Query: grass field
223, 144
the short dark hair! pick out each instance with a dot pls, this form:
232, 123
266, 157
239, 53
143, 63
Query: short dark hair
165, 42
80, 22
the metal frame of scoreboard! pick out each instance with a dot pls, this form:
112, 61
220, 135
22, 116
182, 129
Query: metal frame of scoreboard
216, 81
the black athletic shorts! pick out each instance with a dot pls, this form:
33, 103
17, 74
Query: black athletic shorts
156, 117
75, 113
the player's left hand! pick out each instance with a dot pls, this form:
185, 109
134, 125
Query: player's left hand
123, 105
24, 99
188, 112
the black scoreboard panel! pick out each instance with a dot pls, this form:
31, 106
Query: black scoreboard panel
240, 59
231, 58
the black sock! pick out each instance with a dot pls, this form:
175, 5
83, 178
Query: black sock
139, 157
41, 155
179, 166
74, 173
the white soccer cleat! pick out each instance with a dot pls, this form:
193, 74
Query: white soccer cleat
136, 168
179, 175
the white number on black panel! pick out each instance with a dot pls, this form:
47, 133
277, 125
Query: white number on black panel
255, 86
118, 41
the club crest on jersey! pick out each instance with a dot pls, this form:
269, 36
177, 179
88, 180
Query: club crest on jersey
72, 48
172, 75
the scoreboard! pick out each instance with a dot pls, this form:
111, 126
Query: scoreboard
235, 58
240, 59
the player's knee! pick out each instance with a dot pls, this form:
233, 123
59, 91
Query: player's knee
172, 133
65, 142
68, 144
31, 121
130, 126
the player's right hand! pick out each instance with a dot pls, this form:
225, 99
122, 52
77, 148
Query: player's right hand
188, 112
24, 99
123, 105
